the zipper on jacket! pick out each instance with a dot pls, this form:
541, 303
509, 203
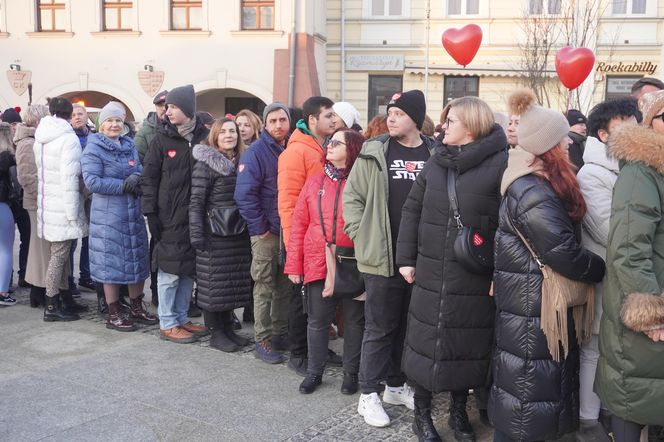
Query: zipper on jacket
43, 185
440, 308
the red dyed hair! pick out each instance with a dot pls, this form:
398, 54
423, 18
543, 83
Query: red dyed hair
560, 173
354, 141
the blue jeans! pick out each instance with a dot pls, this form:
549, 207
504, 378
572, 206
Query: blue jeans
174, 297
7, 233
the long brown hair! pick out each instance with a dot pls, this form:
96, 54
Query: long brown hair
214, 134
560, 173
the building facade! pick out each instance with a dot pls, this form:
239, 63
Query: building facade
235, 53
377, 47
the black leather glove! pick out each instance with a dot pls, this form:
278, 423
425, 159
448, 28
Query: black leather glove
132, 184
154, 226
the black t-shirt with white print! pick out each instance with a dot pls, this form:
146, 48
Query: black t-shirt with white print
403, 166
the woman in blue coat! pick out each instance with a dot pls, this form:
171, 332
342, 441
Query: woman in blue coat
118, 238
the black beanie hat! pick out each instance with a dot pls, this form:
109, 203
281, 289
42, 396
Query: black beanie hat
575, 117
11, 116
412, 103
183, 97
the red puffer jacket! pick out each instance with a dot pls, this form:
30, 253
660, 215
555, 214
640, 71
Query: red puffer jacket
305, 254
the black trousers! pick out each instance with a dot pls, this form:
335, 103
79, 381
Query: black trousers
297, 324
153, 275
385, 313
321, 314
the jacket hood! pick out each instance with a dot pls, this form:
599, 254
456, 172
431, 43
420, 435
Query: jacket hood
51, 128
306, 138
472, 154
597, 153
151, 120
213, 159
22, 132
638, 144
125, 144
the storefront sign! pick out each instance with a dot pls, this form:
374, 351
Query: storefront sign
374, 62
151, 81
18, 80
620, 85
636, 67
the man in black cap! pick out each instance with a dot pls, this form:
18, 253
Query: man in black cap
150, 125
646, 85
577, 132
166, 186
376, 190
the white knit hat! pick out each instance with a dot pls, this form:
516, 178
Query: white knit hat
540, 129
347, 112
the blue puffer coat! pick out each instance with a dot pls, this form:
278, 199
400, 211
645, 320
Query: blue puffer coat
118, 238
256, 188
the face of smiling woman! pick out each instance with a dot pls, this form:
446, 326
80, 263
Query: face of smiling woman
112, 127
227, 138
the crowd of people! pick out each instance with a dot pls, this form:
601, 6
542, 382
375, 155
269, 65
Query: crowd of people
519, 257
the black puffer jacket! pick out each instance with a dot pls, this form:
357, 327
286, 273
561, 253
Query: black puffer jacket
534, 397
7, 161
166, 185
450, 320
223, 266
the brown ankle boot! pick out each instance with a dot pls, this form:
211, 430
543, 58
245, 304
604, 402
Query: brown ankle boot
116, 320
138, 313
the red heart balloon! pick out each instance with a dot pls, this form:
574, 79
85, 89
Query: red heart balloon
462, 44
574, 65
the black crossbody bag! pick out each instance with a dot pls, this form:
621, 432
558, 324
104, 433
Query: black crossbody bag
473, 248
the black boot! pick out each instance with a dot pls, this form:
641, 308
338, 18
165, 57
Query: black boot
422, 423
458, 420
54, 311
237, 339
37, 295
102, 307
349, 385
68, 301
310, 382
248, 313
220, 341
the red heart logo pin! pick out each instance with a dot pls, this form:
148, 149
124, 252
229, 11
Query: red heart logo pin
410, 166
132, 163
477, 240
171, 153
463, 44
574, 65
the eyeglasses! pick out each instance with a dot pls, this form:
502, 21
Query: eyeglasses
334, 143
660, 116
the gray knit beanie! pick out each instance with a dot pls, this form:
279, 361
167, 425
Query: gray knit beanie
273, 107
113, 109
183, 97
540, 129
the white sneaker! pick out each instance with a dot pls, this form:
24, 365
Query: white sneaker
371, 408
403, 396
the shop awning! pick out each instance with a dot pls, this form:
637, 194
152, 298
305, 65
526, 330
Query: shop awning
481, 71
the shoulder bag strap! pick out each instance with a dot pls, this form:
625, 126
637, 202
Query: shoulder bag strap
336, 207
526, 243
451, 192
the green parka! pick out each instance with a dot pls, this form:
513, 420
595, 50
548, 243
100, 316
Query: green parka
144, 136
630, 371
365, 210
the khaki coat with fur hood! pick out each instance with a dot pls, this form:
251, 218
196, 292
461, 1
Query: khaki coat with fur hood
630, 372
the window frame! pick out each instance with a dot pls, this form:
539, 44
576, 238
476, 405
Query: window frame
367, 10
629, 9
257, 5
373, 107
118, 5
187, 5
546, 7
463, 9
447, 96
52, 6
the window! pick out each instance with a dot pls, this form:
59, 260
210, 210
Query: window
459, 7
617, 87
50, 16
257, 14
233, 105
381, 89
118, 15
186, 15
457, 86
628, 6
386, 8
536, 7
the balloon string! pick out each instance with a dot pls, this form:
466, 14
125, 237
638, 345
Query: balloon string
569, 98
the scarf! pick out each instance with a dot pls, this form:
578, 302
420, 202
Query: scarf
186, 130
520, 163
335, 174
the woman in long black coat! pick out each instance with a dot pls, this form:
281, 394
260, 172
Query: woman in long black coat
222, 262
450, 318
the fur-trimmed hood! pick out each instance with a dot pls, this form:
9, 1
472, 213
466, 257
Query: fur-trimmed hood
214, 159
641, 312
638, 144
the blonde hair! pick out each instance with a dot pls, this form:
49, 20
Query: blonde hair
34, 113
214, 134
254, 121
474, 113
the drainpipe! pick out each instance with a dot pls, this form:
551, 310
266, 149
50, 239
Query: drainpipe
426, 62
343, 50
291, 75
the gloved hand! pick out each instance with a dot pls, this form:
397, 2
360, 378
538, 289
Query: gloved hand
154, 226
132, 184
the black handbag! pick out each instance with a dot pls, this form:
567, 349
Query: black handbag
226, 221
343, 279
473, 247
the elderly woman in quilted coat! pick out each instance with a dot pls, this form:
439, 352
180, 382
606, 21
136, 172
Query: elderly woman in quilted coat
118, 238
